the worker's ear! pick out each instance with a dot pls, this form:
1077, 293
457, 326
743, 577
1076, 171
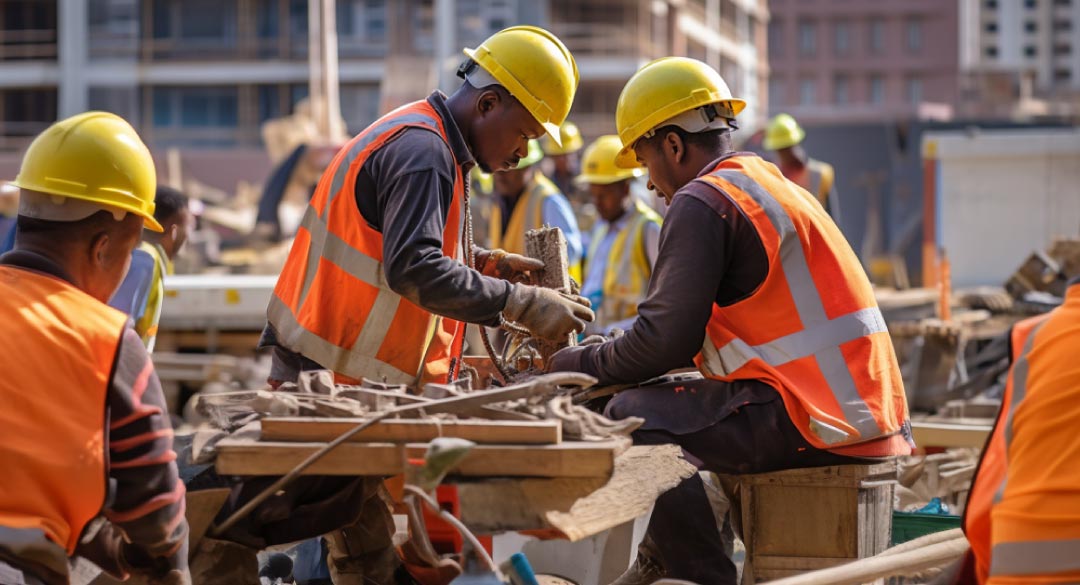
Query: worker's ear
99, 249
673, 147
488, 102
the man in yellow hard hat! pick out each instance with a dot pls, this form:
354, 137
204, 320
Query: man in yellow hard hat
564, 157
784, 136
382, 277
86, 440
624, 243
525, 199
757, 287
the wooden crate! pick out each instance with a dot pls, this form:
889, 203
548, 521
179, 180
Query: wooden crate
800, 520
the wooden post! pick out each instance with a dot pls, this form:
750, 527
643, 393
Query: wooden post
549, 245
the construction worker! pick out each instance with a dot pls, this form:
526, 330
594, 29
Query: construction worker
624, 242
143, 289
757, 286
564, 158
525, 199
784, 136
378, 282
87, 443
1021, 518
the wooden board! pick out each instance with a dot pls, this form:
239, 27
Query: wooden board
541, 432
569, 459
578, 508
930, 434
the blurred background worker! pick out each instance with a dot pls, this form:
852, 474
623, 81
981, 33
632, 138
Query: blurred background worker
143, 288
84, 437
785, 136
562, 164
525, 199
624, 243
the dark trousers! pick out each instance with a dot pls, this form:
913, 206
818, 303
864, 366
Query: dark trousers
727, 428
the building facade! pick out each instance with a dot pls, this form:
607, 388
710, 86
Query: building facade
208, 73
859, 60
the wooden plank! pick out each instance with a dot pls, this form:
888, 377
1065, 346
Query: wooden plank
929, 434
307, 429
569, 459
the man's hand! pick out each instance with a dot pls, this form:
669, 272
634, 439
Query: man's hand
507, 266
547, 313
567, 359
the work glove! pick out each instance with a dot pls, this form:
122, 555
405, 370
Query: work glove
507, 266
547, 313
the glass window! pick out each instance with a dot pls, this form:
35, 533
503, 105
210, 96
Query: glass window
776, 37
991, 27
1030, 4
877, 36
1031, 27
807, 38
914, 90
777, 93
1061, 75
1062, 49
1030, 51
991, 4
842, 38
991, 52
1062, 25
807, 92
840, 90
877, 89
913, 35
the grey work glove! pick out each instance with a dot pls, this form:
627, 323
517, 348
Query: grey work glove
547, 313
507, 266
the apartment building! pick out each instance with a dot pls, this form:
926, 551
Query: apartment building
207, 73
852, 60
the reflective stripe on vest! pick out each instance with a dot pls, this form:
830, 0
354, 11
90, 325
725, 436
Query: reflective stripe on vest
627, 269
362, 340
820, 337
1039, 557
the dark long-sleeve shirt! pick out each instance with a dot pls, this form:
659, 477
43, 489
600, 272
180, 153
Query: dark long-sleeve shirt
404, 191
710, 253
146, 497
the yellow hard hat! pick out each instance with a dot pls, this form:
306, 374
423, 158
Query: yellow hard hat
569, 140
783, 132
535, 154
536, 68
97, 158
598, 165
664, 89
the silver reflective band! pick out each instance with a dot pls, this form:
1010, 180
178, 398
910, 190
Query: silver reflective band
296, 337
821, 337
1019, 392
1042, 557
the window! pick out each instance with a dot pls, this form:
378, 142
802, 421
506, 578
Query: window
1062, 25
1062, 2
359, 105
26, 112
840, 90
777, 93
842, 38
877, 36
913, 35
1062, 75
776, 37
807, 92
991, 52
195, 107
1031, 27
991, 27
877, 89
913, 89
1062, 49
991, 4
807, 38
1030, 51
1030, 4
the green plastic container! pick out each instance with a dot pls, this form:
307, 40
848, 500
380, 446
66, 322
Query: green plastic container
911, 525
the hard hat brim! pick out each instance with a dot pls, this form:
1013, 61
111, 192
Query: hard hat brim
106, 205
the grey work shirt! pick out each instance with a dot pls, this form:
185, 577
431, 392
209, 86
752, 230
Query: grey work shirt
404, 191
710, 253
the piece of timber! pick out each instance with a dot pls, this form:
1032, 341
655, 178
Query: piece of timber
578, 508
934, 434
548, 244
568, 459
540, 432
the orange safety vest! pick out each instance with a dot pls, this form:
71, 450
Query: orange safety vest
332, 303
1021, 515
58, 347
812, 330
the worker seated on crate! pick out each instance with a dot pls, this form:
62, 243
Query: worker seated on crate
382, 276
1021, 512
754, 284
85, 439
